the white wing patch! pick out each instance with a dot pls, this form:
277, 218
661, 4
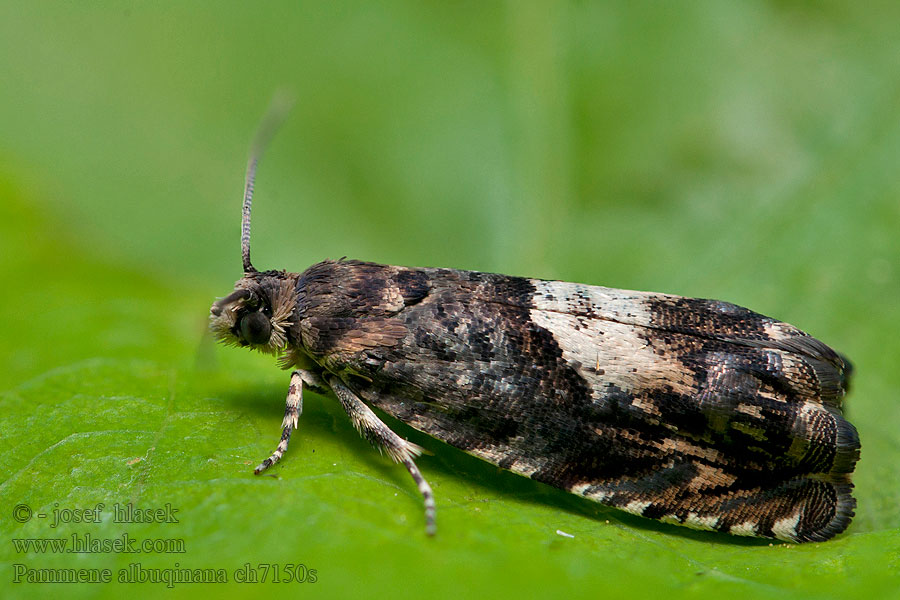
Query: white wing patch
609, 353
624, 306
786, 528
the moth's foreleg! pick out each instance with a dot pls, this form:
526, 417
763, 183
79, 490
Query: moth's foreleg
292, 408
380, 435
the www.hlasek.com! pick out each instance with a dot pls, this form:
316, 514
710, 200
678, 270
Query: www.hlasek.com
85, 543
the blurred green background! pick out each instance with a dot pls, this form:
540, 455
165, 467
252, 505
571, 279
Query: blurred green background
741, 151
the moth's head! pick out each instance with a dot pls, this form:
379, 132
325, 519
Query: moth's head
258, 313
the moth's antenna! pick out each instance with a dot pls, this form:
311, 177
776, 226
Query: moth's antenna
275, 115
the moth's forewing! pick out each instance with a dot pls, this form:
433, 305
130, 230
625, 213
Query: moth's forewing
688, 411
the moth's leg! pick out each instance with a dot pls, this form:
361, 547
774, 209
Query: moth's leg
292, 409
313, 381
380, 435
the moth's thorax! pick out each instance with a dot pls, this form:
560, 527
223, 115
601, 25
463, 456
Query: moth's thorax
350, 292
259, 312
345, 307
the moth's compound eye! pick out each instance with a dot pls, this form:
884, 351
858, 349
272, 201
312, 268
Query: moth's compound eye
255, 328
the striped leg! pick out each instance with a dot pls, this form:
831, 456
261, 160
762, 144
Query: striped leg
380, 436
292, 409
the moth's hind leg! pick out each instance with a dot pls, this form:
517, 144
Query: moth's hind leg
292, 409
380, 435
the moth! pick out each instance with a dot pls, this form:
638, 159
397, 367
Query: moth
693, 412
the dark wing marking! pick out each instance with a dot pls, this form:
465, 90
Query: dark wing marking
688, 411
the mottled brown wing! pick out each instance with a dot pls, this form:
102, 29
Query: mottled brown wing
695, 412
